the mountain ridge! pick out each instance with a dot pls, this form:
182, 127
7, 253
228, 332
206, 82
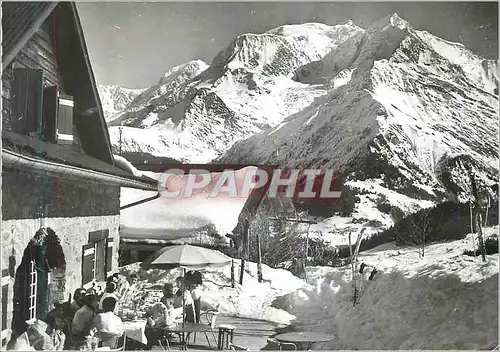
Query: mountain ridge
397, 112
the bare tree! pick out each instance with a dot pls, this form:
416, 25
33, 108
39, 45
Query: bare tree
420, 230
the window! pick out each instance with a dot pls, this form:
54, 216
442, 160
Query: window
5, 298
38, 110
58, 116
32, 291
27, 100
97, 258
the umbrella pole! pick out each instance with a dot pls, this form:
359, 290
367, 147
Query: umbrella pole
183, 297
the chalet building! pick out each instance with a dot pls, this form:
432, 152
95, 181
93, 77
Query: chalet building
60, 182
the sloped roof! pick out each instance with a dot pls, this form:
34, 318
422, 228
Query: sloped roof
20, 20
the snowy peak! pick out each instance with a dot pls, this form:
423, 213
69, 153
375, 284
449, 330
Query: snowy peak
479, 71
359, 50
390, 21
280, 51
184, 71
262, 53
115, 99
399, 22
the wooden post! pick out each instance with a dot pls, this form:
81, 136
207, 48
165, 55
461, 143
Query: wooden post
477, 217
307, 251
242, 270
307, 243
487, 210
259, 259
120, 143
232, 273
472, 228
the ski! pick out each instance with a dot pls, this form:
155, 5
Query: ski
355, 265
353, 273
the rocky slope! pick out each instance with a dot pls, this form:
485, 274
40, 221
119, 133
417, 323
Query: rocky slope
399, 114
404, 115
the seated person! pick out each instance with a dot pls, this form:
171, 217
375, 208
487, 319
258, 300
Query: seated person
84, 317
108, 325
59, 326
71, 308
110, 292
162, 314
58, 334
38, 337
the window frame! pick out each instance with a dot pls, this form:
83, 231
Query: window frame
33, 290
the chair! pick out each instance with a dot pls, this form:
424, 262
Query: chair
281, 344
120, 343
209, 319
225, 336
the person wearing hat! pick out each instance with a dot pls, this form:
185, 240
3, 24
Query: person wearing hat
82, 322
111, 287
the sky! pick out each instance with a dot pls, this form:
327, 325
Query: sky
133, 44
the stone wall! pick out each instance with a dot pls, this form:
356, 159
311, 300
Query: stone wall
73, 233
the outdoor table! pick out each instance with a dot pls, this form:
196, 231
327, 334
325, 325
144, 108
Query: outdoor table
302, 338
135, 330
183, 331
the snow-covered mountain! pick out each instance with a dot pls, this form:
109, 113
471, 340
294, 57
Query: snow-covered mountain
197, 111
115, 98
404, 115
399, 113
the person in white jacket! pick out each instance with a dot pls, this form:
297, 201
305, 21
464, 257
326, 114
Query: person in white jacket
109, 326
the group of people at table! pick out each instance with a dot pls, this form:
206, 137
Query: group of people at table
99, 316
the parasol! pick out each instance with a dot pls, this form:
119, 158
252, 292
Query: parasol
186, 257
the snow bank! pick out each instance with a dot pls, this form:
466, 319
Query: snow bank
250, 300
446, 300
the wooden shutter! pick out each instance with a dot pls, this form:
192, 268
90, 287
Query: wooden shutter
50, 112
109, 257
27, 99
5, 300
65, 120
88, 259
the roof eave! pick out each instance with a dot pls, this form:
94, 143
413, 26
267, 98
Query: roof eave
34, 165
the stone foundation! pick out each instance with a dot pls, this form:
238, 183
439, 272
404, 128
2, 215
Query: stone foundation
72, 232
